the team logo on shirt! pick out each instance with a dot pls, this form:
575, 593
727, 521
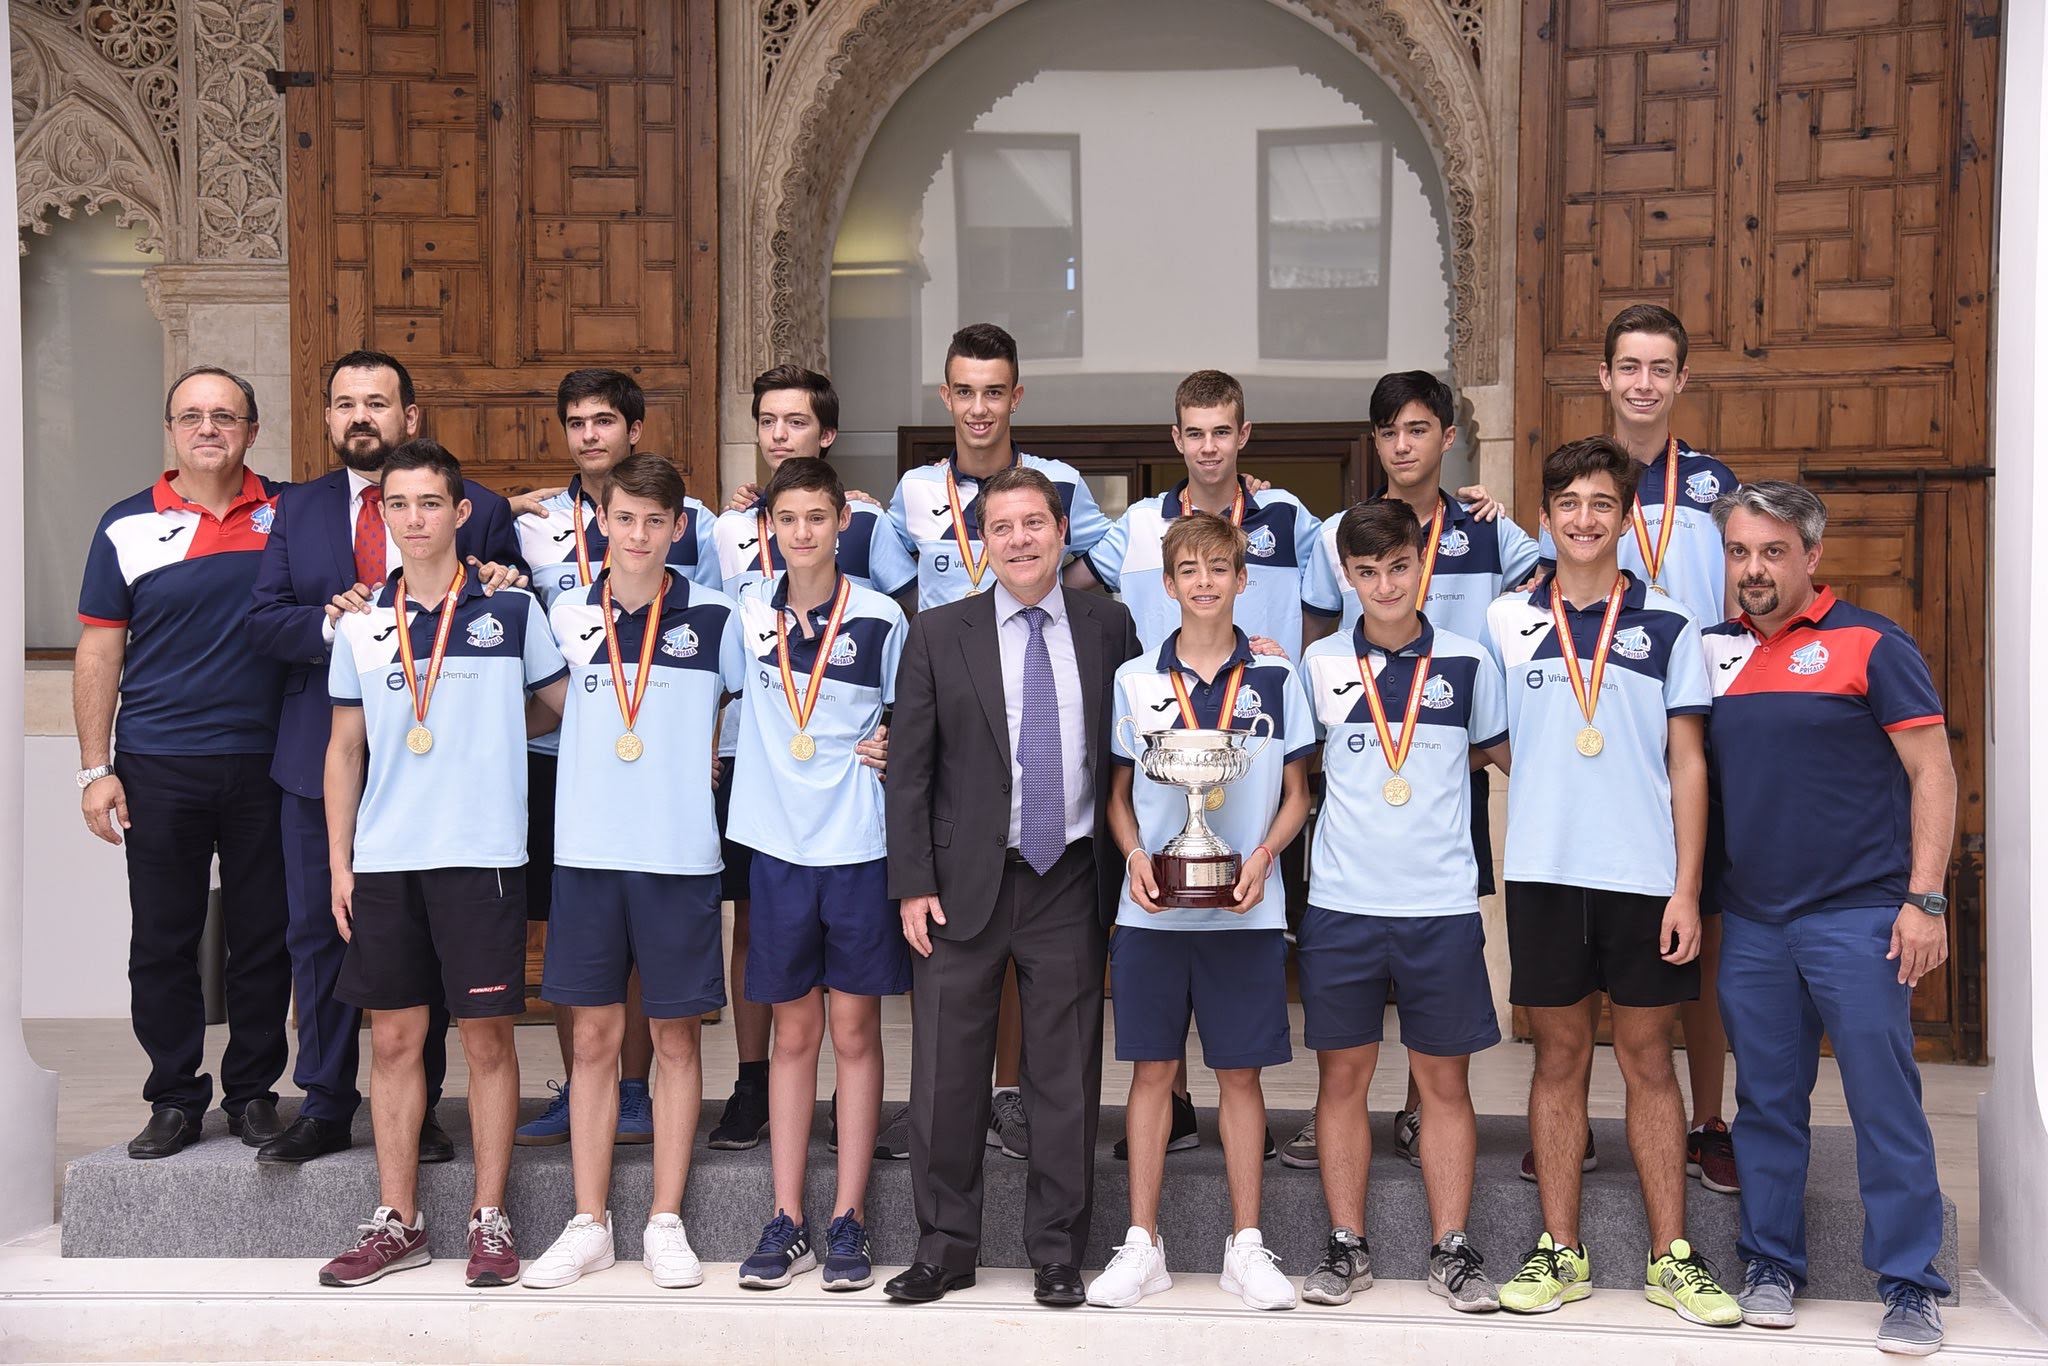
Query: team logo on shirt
260, 520
1703, 487
1634, 643
1453, 542
843, 653
1438, 694
1261, 543
681, 643
1809, 659
486, 632
1249, 704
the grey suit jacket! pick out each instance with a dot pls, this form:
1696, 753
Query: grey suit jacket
949, 753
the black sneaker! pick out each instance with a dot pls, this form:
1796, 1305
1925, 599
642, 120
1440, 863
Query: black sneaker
1181, 1136
744, 1121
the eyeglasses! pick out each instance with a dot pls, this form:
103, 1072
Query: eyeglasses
190, 421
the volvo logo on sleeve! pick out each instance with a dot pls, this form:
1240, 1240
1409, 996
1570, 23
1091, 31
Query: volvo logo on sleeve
395, 681
1702, 487
1809, 659
1249, 704
680, 643
1438, 694
1356, 741
942, 562
590, 682
486, 632
1534, 678
261, 518
844, 653
1261, 543
1633, 643
1453, 542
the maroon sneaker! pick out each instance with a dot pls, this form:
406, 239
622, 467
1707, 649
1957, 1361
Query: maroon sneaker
386, 1245
491, 1258
1710, 1155
1591, 1162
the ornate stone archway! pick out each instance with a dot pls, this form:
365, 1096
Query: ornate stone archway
807, 82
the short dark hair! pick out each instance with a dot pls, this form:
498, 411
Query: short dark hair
1654, 319
248, 391
615, 387
374, 360
824, 398
804, 474
1589, 455
1396, 391
646, 475
424, 453
982, 341
1376, 527
1209, 389
1019, 478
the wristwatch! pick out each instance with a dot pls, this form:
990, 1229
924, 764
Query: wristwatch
1934, 903
88, 776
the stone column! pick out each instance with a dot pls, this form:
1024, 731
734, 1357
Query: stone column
28, 1119
239, 317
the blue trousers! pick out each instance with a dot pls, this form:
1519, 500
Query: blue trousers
330, 1051
1781, 988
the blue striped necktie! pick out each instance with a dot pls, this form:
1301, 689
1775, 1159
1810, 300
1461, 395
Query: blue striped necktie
1042, 827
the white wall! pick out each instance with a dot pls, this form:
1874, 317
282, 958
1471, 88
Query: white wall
74, 940
2012, 1119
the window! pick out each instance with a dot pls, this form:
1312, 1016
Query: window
1019, 214
1324, 248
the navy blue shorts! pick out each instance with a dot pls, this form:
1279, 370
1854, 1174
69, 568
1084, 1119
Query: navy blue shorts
823, 927
608, 921
1232, 982
1347, 964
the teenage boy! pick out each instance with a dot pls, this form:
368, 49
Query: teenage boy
1224, 965
822, 671
1606, 823
602, 413
1672, 544
430, 688
796, 415
937, 512
1467, 561
651, 655
1405, 708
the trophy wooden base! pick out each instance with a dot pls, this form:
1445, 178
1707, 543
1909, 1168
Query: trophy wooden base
1196, 883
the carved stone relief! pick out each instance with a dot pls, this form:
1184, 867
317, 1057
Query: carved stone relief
240, 131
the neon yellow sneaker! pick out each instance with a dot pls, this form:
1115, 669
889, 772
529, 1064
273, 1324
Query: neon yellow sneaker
1682, 1281
1550, 1276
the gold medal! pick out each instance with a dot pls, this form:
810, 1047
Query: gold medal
802, 747
1591, 742
1214, 801
419, 739
1585, 689
1396, 791
629, 747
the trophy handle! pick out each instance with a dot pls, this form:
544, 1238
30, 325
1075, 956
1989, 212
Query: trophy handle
1127, 736
1264, 738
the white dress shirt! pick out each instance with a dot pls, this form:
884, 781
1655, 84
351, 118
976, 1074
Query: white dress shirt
1013, 637
356, 484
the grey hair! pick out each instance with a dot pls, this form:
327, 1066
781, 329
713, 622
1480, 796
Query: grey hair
1781, 500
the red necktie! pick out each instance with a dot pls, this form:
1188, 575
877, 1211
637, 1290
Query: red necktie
370, 562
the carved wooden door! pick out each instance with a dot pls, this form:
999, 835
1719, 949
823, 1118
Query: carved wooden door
1808, 184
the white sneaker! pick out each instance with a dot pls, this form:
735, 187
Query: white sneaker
585, 1245
666, 1254
1138, 1269
1252, 1273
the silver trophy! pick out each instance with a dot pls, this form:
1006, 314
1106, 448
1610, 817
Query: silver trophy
1195, 868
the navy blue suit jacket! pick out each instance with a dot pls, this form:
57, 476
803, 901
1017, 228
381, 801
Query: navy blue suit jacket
311, 557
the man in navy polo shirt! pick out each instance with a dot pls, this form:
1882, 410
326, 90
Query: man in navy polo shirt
1839, 798
430, 697
1224, 966
160, 610
636, 911
1606, 818
1393, 896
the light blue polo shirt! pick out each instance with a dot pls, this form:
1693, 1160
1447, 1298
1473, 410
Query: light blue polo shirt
1144, 692
654, 814
1280, 537
924, 520
825, 811
1475, 563
1372, 858
462, 804
1602, 822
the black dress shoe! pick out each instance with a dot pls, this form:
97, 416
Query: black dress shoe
167, 1132
306, 1139
435, 1145
258, 1123
922, 1282
1058, 1285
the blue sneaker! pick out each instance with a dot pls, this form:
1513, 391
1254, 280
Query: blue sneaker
552, 1126
849, 1259
636, 1113
783, 1254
